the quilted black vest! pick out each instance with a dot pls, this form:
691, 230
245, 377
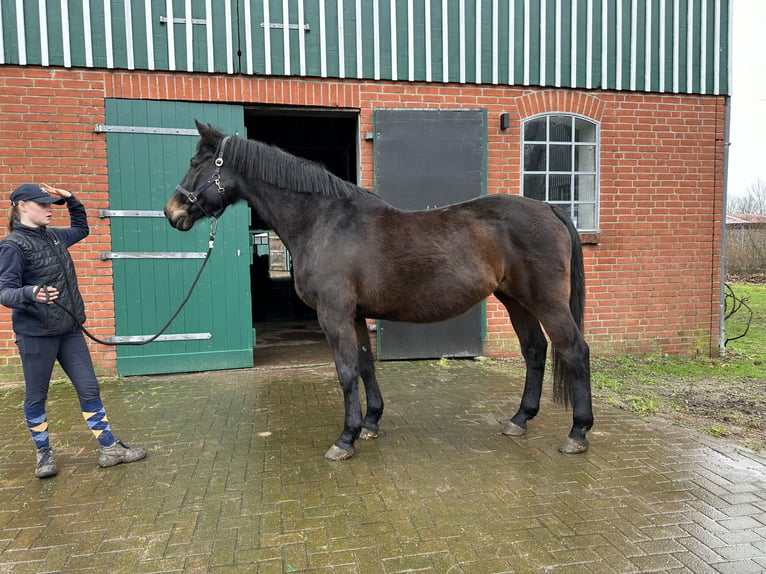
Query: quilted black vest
47, 262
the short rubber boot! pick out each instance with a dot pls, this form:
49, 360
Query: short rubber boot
118, 453
46, 463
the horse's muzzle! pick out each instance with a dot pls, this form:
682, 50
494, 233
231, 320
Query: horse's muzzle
177, 215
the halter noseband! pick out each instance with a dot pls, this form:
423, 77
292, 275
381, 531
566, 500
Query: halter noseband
215, 178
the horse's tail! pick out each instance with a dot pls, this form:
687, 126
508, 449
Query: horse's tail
562, 381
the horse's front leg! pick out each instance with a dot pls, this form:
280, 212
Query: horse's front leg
342, 337
374, 398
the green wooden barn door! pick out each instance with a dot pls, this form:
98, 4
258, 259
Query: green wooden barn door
149, 145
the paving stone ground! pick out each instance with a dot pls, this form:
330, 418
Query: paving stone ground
235, 482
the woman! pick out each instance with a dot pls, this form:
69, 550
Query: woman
36, 275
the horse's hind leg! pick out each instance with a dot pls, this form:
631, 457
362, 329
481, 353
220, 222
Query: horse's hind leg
370, 426
534, 348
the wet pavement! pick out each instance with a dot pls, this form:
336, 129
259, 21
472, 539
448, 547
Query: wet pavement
235, 482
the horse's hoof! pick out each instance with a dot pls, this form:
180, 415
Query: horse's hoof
573, 447
512, 429
337, 453
368, 434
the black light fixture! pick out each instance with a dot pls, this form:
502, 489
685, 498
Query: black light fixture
505, 121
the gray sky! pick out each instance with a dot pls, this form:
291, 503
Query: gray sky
747, 154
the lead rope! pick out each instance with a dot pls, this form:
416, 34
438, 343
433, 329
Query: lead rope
211, 243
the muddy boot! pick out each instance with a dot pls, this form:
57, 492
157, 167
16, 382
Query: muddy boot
119, 452
46, 463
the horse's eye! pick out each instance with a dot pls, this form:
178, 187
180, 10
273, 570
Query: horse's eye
193, 164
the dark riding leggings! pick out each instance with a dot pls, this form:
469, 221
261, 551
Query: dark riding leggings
38, 355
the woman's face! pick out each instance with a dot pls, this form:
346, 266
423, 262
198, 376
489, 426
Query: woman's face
35, 214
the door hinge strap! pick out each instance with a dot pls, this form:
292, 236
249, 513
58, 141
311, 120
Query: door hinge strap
153, 255
129, 213
141, 338
103, 128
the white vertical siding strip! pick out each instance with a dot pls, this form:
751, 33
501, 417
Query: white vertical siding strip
341, 41
559, 30
477, 42
394, 51
285, 38
633, 43
376, 39
108, 35
129, 35
676, 43
171, 35
618, 75
573, 43
543, 42
322, 41
209, 34
511, 43
2, 43
703, 49
249, 67
65, 38
717, 48
648, 49
149, 34
604, 44
230, 48
495, 46
690, 48
461, 23
43, 33
359, 52
188, 36
445, 42
266, 37
429, 39
527, 26
302, 38
410, 41
20, 32
589, 45
662, 40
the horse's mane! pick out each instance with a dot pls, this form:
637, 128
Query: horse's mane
268, 163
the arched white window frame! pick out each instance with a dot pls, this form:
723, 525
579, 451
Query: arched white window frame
563, 168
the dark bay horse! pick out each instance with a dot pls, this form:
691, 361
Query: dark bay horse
356, 257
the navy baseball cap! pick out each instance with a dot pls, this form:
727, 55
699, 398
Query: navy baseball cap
31, 192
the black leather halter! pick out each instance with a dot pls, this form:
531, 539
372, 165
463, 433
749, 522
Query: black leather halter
215, 178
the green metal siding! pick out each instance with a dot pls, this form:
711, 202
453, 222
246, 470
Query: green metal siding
647, 45
143, 171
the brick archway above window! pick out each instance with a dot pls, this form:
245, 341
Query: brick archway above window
562, 101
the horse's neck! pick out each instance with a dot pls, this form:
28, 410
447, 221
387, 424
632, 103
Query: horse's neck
288, 213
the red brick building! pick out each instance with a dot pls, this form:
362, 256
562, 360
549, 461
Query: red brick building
645, 90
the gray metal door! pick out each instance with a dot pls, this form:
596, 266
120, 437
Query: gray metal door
426, 159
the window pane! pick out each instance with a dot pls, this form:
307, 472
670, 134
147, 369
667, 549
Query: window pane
561, 128
585, 188
534, 186
534, 157
561, 158
560, 188
534, 130
585, 131
585, 216
585, 158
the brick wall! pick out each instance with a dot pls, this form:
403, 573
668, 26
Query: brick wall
652, 271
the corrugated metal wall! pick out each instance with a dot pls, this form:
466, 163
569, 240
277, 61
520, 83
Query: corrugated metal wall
647, 45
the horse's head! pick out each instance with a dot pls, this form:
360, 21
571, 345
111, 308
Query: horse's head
202, 192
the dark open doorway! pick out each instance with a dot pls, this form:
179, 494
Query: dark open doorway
286, 329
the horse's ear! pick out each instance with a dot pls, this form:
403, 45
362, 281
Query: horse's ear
208, 133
